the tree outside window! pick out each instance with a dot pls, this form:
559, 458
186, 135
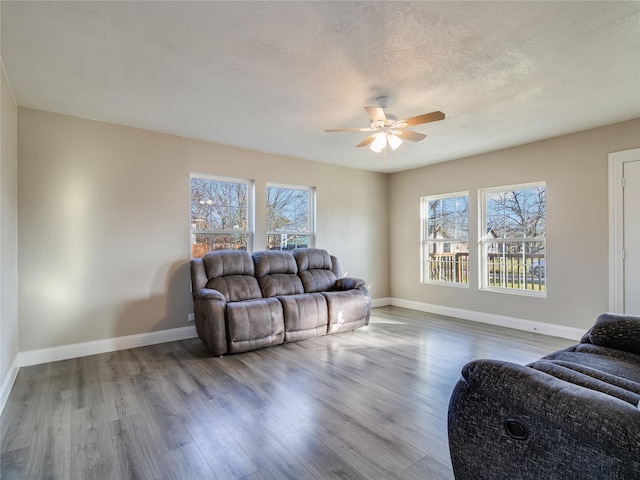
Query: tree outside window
289, 217
219, 214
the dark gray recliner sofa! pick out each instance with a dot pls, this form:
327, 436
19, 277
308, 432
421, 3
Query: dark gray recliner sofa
244, 302
574, 414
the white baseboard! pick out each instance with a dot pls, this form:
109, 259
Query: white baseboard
7, 383
500, 320
44, 355
380, 302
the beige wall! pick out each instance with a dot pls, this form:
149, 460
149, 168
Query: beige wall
104, 239
8, 230
104, 224
574, 168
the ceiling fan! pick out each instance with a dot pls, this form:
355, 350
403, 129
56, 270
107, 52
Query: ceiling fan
387, 129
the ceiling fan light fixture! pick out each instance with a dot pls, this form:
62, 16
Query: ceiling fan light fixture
394, 141
387, 130
379, 142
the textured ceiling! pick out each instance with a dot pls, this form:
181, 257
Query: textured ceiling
271, 76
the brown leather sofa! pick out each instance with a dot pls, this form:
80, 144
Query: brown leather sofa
244, 302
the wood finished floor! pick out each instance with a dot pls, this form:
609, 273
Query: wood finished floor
369, 404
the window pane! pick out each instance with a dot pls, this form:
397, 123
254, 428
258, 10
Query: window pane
448, 218
514, 243
445, 239
283, 241
448, 262
219, 208
516, 213
462, 218
235, 218
432, 218
535, 203
287, 210
219, 205
516, 265
205, 242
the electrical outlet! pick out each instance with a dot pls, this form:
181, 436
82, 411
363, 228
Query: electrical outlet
191, 317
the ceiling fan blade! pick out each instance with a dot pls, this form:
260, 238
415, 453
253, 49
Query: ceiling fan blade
366, 129
426, 118
376, 114
409, 135
366, 141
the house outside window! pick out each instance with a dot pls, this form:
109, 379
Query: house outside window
513, 239
221, 213
290, 217
445, 239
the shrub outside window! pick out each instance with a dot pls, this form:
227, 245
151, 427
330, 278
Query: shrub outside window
289, 217
513, 239
220, 214
445, 239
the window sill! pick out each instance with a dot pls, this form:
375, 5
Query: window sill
515, 291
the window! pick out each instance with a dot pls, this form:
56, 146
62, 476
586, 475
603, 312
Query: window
513, 238
289, 217
445, 239
220, 214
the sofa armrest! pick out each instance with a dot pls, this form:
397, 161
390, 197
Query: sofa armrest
209, 308
620, 332
208, 294
352, 283
580, 411
349, 283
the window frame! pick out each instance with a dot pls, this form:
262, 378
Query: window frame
311, 200
250, 232
425, 240
484, 240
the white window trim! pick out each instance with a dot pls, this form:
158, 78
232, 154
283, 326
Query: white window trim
250, 206
482, 242
311, 192
424, 214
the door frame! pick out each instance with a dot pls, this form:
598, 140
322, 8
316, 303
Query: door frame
616, 224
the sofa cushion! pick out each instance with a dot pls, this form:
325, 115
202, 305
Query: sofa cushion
231, 272
236, 288
277, 273
305, 316
228, 262
347, 310
268, 262
317, 280
254, 324
602, 359
280, 284
312, 258
591, 378
315, 269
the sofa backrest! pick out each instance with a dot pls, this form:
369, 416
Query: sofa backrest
232, 273
277, 273
315, 269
